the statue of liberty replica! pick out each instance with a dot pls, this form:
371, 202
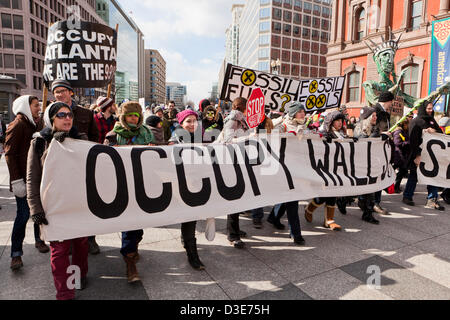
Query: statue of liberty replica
384, 55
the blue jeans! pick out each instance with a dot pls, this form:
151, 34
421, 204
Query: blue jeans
258, 213
432, 192
130, 241
20, 225
411, 185
293, 218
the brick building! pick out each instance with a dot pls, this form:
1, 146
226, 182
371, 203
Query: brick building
356, 21
155, 77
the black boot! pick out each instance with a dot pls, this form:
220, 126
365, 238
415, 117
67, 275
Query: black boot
368, 217
275, 221
446, 196
194, 260
342, 205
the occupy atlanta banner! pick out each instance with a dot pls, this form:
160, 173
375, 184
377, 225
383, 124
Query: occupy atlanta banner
434, 170
85, 56
94, 189
316, 94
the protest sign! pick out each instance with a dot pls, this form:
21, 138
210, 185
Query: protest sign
434, 170
315, 94
158, 186
86, 57
256, 108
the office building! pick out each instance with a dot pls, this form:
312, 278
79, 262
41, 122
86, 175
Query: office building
155, 77
177, 93
232, 35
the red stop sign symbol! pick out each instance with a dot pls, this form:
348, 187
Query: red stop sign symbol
256, 108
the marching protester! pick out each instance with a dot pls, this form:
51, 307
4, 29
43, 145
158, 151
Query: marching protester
170, 122
130, 130
83, 121
235, 126
188, 133
401, 153
424, 122
2, 136
212, 124
444, 123
155, 125
17, 143
105, 119
159, 112
294, 121
59, 122
333, 129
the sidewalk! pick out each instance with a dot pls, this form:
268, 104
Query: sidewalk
411, 248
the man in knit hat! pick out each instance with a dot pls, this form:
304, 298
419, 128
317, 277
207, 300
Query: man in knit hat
83, 121
383, 109
105, 118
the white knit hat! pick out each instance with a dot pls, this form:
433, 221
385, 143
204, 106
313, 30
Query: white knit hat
104, 102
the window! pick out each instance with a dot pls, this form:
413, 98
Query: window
264, 13
307, 21
264, 26
287, 29
263, 53
277, 27
296, 31
9, 61
263, 66
416, 14
19, 42
307, 6
20, 62
18, 22
6, 21
297, 18
286, 43
353, 87
305, 33
22, 78
315, 34
316, 9
1, 60
410, 82
360, 24
277, 13
264, 39
8, 41
295, 57
326, 12
287, 16
263, 2
297, 4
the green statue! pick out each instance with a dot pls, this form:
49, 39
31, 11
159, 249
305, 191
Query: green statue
384, 55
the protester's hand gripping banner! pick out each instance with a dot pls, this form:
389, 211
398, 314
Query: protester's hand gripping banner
94, 189
316, 94
434, 169
83, 54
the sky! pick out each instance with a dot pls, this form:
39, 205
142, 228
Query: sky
189, 34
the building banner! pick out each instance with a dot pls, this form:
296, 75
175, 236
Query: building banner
434, 170
315, 94
85, 55
94, 189
440, 59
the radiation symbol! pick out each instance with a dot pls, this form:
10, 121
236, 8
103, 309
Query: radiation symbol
313, 87
248, 77
311, 102
321, 101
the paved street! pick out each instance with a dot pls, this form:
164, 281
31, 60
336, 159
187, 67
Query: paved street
411, 248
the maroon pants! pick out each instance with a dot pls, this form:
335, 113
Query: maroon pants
61, 262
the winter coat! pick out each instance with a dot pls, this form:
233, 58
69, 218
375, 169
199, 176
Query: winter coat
145, 137
18, 137
158, 136
35, 164
365, 129
401, 148
235, 126
104, 125
2, 131
422, 122
383, 118
211, 129
170, 122
328, 131
84, 122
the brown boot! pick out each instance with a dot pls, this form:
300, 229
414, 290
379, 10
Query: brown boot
132, 273
329, 219
16, 263
310, 210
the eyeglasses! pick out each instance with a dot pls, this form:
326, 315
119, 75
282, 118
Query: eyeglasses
61, 91
64, 115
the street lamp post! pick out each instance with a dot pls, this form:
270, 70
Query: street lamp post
275, 66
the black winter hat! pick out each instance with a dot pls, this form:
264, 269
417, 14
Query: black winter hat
153, 121
61, 83
51, 111
386, 96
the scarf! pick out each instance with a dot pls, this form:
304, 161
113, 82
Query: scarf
136, 136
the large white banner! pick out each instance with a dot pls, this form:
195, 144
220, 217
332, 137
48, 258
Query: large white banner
90, 189
434, 170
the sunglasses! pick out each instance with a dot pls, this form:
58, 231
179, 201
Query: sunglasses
210, 114
64, 115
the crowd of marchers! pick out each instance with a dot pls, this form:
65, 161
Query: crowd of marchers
27, 139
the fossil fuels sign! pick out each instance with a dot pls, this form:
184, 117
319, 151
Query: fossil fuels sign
316, 94
85, 55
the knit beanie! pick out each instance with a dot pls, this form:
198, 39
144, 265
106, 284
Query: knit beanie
184, 114
51, 111
386, 96
61, 83
295, 108
203, 104
104, 103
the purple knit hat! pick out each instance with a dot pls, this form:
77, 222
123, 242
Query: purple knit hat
184, 114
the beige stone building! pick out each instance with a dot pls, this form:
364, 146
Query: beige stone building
155, 77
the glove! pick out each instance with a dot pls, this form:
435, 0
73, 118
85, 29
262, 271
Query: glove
355, 140
19, 188
210, 230
384, 137
60, 136
40, 219
329, 140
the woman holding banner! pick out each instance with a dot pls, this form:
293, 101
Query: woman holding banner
130, 130
188, 133
59, 121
